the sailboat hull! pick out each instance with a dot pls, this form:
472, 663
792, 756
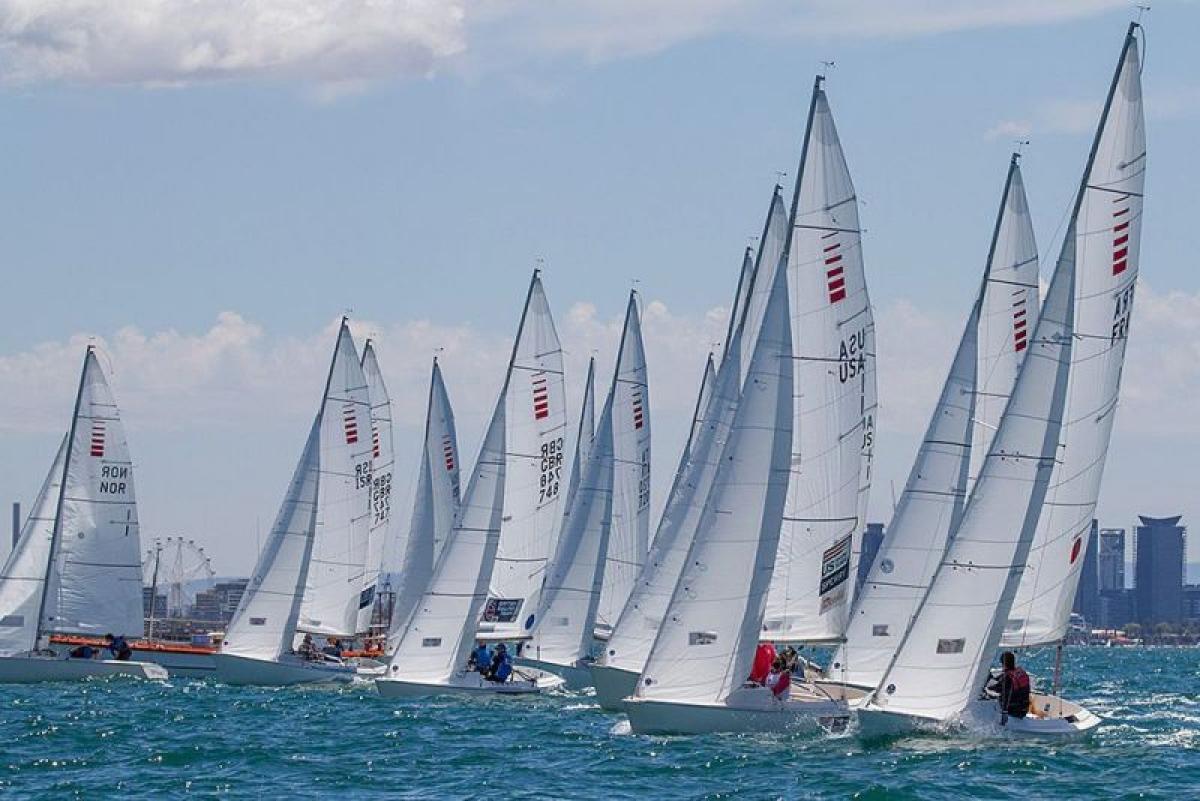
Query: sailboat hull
574, 677
30, 669
472, 684
179, 659
241, 670
746, 710
613, 685
1060, 720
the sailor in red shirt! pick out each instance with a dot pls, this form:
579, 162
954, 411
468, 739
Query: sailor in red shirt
764, 657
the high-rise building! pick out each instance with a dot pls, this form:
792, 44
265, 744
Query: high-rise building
1087, 592
1111, 559
1160, 544
872, 539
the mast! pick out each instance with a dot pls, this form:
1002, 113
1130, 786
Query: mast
154, 590
56, 532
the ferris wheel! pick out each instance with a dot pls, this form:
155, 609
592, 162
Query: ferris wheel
172, 567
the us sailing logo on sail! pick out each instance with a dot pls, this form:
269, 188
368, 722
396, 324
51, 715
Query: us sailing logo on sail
835, 570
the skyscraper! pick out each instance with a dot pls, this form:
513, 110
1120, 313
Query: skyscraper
1087, 592
1158, 572
1111, 559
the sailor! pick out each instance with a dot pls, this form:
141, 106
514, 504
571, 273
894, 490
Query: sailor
501, 667
118, 647
779, 680
1012, 688
307, 649
481, 658
333, 648
84, 651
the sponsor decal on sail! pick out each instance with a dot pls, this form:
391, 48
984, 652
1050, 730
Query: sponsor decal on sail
835, 570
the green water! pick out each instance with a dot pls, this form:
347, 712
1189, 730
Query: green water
123, 738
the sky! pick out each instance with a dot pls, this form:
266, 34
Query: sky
202, 190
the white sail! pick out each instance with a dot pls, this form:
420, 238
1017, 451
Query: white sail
745, 286
637, 627
264, 625
708, 637
24, 577
939, 665
708, 382
1108, 227
1010, 309
382, 460
435, 505
94, 584
534, 482
834, 335
436, 640
571, 595
771, 249
585, 435
339, 553
916, 539
630, 538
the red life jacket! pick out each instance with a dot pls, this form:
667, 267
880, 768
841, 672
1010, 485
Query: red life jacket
763, 658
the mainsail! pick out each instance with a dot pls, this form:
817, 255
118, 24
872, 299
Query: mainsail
339, 552
24, 577
771, 247
381, 482
94, 581
435, 504
534, 484
571, 595
630, 430
833, 332
941, 659
435, 641
704, 647
1106, 226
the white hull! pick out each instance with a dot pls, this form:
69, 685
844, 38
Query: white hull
574, 677
243, 670
613, 686
28, 669
745, 710
187, 663
470, 684
1061, 720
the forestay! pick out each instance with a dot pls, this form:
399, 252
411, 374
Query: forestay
1107, 229
94, 585
630, 427
24, 578
382, 460
339, 552
571, 595
537, 420
264, 625
435, 643
435, 505
834, 335
704, 647
939, 664
1010, 310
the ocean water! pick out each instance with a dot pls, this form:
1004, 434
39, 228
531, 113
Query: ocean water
123, 738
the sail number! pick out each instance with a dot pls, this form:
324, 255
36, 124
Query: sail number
551, 470
1124, 305
362, 475
381, 496
113, 479
852, 356
644, 481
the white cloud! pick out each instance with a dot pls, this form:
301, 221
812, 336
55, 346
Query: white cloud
161, 42
344, 46
1009, 129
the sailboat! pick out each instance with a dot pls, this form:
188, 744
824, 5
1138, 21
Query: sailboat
310, 573
76, 568
431, 655
990, 351
693, 679
435, 506
624, 657
1107, 227
534, 486
370, 620
936, 674
834, 336
629, 541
